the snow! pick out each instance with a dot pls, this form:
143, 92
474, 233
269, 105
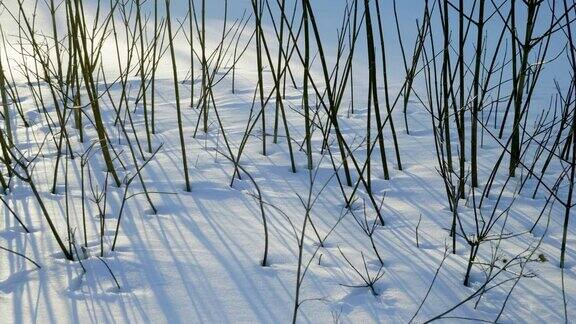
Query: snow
198, 259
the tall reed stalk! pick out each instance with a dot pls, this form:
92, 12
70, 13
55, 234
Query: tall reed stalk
177, 96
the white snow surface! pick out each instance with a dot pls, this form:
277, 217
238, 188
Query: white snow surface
198, 259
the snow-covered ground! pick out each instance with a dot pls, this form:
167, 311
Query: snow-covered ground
198, 259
